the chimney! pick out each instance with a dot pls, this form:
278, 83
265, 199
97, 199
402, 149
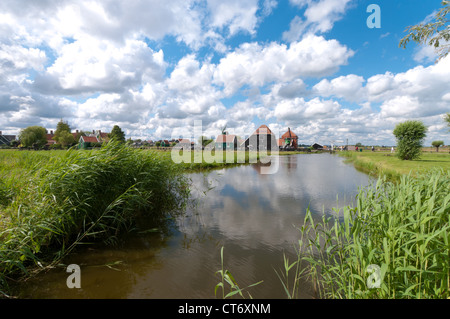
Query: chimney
93, 131
0, 132
77, 131
51, 132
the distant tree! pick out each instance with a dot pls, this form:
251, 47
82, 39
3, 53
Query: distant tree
66, 139
33, 136
117, 134
358, 144
437, 144
203, 140
63, 134
158, 144
447, 119
410, 135
435, 33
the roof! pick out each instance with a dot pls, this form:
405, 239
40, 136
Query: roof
226, 138
184, 140
280, 142
89, 139
263, 129
289, 134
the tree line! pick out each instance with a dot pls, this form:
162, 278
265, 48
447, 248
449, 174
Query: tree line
36, 136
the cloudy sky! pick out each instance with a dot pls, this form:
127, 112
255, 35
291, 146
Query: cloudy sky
154, 67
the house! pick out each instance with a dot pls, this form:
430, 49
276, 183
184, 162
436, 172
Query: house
6, 139
261, 139
226, 142
87, 141
317, 146
101, 136
184, 143
289, 140
164, 143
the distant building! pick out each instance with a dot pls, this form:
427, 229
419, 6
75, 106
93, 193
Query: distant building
261, 139
6, 139
87, 141
226, 142
317, 146
288, 140
184, 143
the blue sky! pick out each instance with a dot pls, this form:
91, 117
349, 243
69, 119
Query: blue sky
155, 67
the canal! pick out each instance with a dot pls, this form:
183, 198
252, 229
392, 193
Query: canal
253, 216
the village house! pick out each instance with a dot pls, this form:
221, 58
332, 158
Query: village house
184, 143
261, 139
226, 142
87, 141
98, 134
288, 140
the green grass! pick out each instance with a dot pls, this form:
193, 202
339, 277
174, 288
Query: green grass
400, 228
385, 163
52, 201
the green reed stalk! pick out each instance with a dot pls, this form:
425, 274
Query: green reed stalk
78, 196
401, 228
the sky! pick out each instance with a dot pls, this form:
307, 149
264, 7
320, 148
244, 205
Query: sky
156, 67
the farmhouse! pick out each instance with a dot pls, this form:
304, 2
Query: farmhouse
184, 143
288, 140
261, 139
87, 141
226, 142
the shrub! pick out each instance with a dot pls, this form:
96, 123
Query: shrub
409, 135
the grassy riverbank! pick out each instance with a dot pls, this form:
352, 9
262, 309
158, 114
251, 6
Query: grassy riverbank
394, 243
52, 201
385, 163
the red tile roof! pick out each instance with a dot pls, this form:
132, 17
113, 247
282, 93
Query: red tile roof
225, 138
289, 134
263, 129
90, 139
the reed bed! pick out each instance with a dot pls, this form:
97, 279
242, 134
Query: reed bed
77, 197
400, 230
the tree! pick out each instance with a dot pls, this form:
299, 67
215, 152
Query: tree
447, 119
117, 134
437, 144
33, 136
410, 135
66, 139
435, 33
203, 140
63, 134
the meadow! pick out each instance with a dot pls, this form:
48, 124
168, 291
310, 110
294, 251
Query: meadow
387, 164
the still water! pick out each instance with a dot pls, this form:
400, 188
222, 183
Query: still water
254, 216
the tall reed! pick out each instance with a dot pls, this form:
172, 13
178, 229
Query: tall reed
83, 196
399, 229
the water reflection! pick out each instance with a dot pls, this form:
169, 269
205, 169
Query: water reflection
253, 216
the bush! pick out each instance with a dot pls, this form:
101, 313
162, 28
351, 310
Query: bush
410, 135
